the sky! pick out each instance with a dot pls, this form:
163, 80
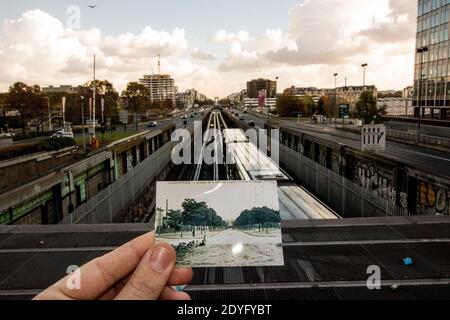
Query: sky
213, 46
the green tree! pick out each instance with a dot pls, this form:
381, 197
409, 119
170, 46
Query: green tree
175, 218
26, 100
289, 106
367, 109
3, 96
199, 214
309, 106
136, 96
325, 106
261, 217
105, 90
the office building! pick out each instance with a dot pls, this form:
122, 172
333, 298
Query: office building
255, 86
304, 93
161, 87
61, 89
432, 64
190, 97
396, 106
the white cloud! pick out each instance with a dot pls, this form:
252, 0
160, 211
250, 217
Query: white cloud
323, 37
200, 55
36, 48
334, 35
225, 36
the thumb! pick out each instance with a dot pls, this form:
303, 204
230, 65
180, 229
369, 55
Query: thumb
151, 275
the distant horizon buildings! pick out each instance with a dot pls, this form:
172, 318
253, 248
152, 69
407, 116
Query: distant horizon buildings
189, 98
396, 106
345, 94
61, 89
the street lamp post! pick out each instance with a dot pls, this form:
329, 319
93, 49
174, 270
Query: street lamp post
49, 114
82, 123
420, 51
364, 66
94, 101
335, 99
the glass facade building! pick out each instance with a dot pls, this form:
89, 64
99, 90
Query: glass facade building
432, 62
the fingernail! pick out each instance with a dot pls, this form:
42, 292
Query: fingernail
161, 259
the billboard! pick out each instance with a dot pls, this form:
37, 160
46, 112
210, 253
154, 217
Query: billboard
262, 98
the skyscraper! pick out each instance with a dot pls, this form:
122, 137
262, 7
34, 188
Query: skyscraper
432, 63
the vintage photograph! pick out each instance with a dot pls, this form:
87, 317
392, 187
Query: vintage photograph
220, 224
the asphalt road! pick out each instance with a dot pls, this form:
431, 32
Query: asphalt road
179, 123
233, 237
424, 159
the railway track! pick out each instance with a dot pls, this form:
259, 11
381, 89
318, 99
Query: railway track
212, 138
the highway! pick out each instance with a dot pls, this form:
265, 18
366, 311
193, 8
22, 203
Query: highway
177, 121
428, 160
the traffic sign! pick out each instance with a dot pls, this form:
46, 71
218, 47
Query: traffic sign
373, 138
344, 111
123, 116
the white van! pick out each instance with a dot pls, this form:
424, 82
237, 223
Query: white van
63, 134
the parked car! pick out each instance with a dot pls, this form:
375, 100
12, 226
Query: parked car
62, 134
7, 135
90, 122
184, 117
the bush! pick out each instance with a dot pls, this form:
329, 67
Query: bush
289, 106
54, 144
32, 135
48, 145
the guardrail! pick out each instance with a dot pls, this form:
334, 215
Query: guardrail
424, 139
408, 137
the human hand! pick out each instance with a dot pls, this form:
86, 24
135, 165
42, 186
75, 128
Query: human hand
139, 270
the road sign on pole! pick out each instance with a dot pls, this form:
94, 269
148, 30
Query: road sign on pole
344, 111
64, 112
123, 117
373, 138
103, 110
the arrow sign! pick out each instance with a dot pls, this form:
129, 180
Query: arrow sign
373, 138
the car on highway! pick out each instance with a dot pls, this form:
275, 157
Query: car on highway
242, 118
184, 117
7, 135
153, 124
192, 116
62, 134
251, 123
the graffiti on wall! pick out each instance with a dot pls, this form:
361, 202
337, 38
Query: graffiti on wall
323, 156
376, 181
433, 199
